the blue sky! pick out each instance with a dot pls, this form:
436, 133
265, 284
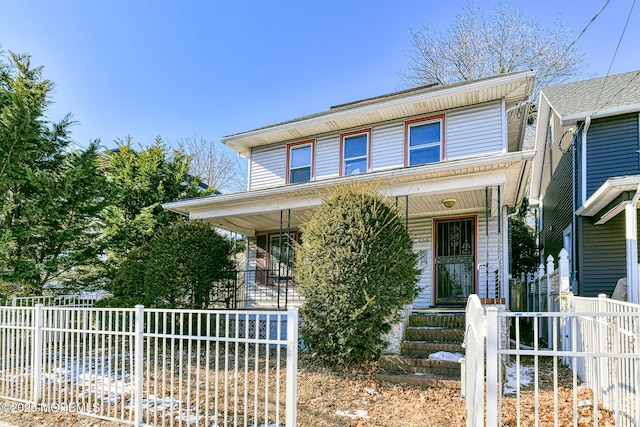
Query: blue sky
214, 68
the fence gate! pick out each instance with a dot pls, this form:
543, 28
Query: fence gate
586, 373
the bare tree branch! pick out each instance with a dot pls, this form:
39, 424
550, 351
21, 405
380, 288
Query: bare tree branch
213, 165
480, 44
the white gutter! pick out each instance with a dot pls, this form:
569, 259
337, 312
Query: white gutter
423, 172
374, 106
573, 118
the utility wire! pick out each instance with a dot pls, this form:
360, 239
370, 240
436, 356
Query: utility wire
580, 35
604, 82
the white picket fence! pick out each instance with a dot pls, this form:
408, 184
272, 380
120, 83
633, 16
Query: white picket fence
588, 374
153, 367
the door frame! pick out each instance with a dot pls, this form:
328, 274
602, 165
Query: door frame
434, 239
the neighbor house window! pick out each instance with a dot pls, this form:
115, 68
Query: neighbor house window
424, 140
355, 152
300, 162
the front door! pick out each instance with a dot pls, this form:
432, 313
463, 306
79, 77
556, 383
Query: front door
455, 260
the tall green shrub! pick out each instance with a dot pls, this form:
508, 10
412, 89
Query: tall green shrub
356, 268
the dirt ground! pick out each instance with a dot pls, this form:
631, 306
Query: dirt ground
353, 398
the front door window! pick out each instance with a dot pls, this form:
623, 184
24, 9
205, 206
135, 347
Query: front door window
455, 260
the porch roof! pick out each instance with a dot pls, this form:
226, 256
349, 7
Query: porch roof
610, 199
426, 185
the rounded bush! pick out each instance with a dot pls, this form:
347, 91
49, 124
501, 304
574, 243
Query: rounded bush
356, 268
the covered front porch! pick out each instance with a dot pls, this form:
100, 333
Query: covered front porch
615, 205
455, 211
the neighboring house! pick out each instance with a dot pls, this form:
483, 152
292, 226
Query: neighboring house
586, 179
450, 157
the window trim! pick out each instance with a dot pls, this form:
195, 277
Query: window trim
346, 135
290, 146
408, 124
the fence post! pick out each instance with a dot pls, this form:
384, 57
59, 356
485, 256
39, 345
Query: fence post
37, 353
292, 365
563, 266
493, 332
138, 367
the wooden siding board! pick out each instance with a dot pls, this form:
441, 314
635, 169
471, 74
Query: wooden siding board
612, 150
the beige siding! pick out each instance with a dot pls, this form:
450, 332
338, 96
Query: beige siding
474, 131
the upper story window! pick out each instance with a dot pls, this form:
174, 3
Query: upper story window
300, 162
424, 140
355, 150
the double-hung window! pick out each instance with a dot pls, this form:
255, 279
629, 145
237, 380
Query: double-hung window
354, 154
424, 140
300, 162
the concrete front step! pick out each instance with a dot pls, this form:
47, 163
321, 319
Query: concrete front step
420, 380
424, 348
394, 364
434, 334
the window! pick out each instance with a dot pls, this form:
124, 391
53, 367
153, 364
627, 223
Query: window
354, 154
424, 140
300, 162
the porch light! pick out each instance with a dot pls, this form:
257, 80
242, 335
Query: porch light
449, 203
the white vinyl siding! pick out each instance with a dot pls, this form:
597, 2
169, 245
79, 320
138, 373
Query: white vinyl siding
468, 132
267, 167
387, 146
474, 131
420, 230
327, 160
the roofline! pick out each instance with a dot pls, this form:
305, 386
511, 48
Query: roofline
573, 118
358, 108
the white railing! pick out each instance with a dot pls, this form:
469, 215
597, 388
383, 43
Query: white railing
153, 367
588, 375
86, 300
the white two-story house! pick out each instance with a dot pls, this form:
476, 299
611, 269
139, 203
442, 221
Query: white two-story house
450, 157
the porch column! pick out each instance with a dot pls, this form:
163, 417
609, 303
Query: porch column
631, 218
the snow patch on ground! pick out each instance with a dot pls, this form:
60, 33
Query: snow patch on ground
526, 377
446, 356
356, 415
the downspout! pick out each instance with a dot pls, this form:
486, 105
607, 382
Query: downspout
487, 212
631, 225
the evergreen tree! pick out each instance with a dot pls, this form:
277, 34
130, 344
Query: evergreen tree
356, 268
50, 197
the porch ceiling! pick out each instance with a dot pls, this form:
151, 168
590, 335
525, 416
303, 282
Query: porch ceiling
426, 186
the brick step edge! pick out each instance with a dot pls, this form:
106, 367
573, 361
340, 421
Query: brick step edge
425, 348
425, 381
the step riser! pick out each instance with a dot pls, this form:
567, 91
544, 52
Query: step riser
445, 321
444, 335
421, 366
422, 349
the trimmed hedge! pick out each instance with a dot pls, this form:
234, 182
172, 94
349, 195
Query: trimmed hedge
356, 268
